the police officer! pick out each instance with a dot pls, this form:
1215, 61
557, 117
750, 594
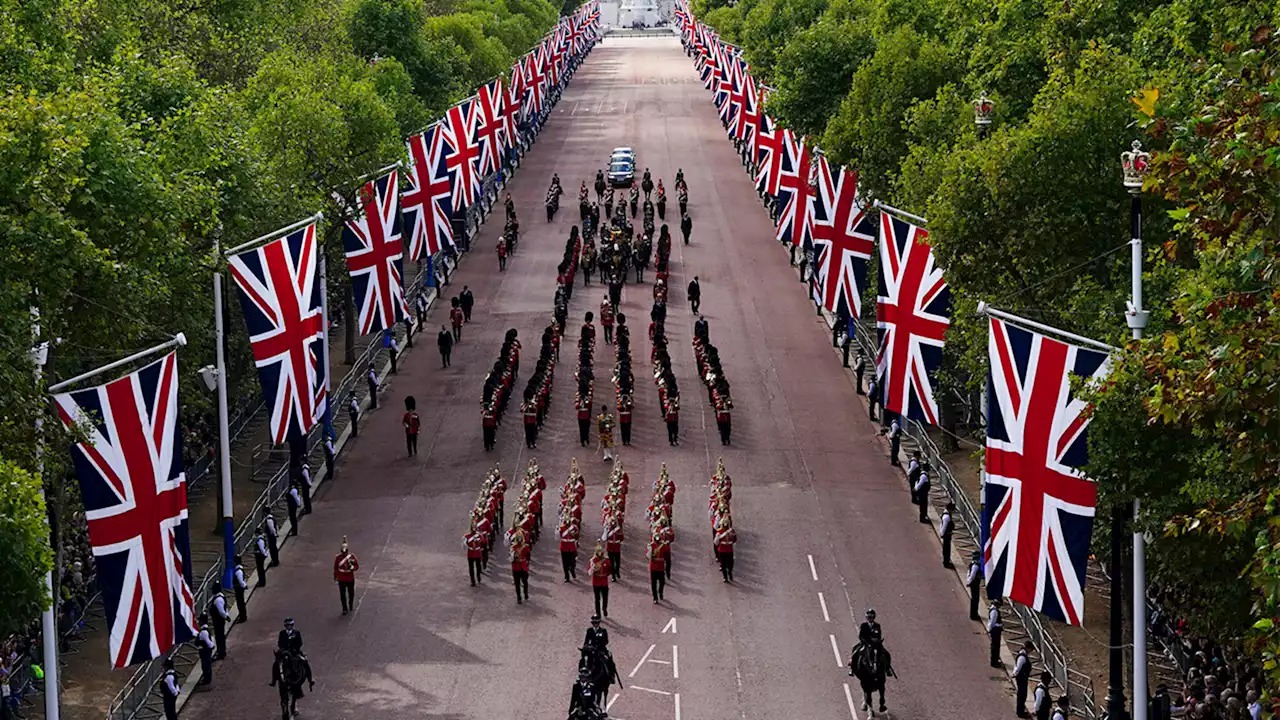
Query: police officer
995, 627
240, 584
873, 398
294, 501
205, 644
974, 582
597, 636
289, 638
895, 441
913, 474
220, 615
858, 370
869, 631
260, 557
1060, 712
922, 493
1042, 704
272, 535
171, 690
330, 454
394, 350
947, 528
305, 488
372, 380
1022, 678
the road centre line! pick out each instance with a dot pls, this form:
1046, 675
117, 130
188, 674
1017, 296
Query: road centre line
656, 692
641, 663
677, 706
614, 699
813, 569
848, 696
675, 662
826, 616
836, 650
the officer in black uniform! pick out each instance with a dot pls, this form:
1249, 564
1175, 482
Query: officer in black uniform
218, 611
205, 644
1022, 678
289, 638
870, 630
596, 635
171, 690
974, 581
995, 628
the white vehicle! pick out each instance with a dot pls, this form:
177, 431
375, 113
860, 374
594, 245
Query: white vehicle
622, 167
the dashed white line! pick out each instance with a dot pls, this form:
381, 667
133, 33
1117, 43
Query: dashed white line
614, 699
835, 649
848, 696
813, 569
646, 657
660, 662
655, 692
675, 662
826, 616
677, 706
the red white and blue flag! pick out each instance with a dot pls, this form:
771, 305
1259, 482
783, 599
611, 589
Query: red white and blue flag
535, 76
768, 149
283, 302
913, 311
795, 196
1038, 507
375, 255
491, 125
514, 108
745, 111
135, 501
428, 197
461, 153
844, 235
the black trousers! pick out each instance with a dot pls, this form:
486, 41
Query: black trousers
667, 558
657, 583
895, 444
394, 357
474, 568
995, 646
305, 491
347, 595
373, 394
466, 313
219, 636
530, 434
946, 550
293, 519
1020, 684
241, 611
973, 601
502, 263
273, 547
521, 580
490, 437
626, 432
584, 431
695, 303
615, 559
569, 563
923, 504
444, 357
170, 706
673, 431
355, 424
686, 237
206, 665
457, 333
602, 599
411, 443
726, 564
260, 561
328, 463
724, 432
608, 334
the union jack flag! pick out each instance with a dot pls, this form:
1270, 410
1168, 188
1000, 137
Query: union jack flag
745, 112
375, 255
795, 197
844, 235
553, 54
428, 200
768, 151
514, 107
135, 502
283, 302
913, 311
461, 153
534, 78
491, 125
1038, 507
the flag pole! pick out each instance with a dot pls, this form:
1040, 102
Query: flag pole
985, 309
324, 354
1136, 319
178, 341
273, 235
889, 208
48, 623
224, 424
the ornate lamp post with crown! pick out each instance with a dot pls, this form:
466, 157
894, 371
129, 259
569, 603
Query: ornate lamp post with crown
984, 111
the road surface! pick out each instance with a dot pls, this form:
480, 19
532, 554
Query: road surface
824, 523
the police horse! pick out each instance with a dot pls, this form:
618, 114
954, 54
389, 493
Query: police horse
871, 664
596, 674
289, 671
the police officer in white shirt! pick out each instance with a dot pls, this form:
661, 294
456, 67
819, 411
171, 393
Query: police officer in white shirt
394, 349
373, 389
913, 473
974, 582
1041, 703
947, 529
205, 644
273, 536
1060, 712
171, 690
995, 627
353, 410
329, 455
922, 493
305, 488
241, 585
1022, 678
260, 557
294, 499
895, 441
220, 617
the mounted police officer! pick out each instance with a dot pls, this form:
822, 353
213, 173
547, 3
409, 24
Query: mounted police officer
870, 630
597, 637
289, 638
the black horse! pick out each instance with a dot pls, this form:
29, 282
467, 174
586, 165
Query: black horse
871, 664
289, 671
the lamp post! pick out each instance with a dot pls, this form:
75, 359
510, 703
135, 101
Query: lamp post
983, 114
1135, 163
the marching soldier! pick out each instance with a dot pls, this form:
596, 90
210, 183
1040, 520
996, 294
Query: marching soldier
723, 420
657, 568
171, 690
604, 427
489, 424
606, 319
570, 532
600, 569
974, 582
613, 537
456, 318
220, 617
672, 416
1022, 677
995, 627
625, 406
240, 584
502, 254
345, 565
530, 409
412, 423
947, 528
272, 535
205, 644
724, 540
477, 544
520, 564
584, 417
589, 330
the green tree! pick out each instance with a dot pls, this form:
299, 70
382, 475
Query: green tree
814, 72
486, 56
24, 534
769, 25
396, 28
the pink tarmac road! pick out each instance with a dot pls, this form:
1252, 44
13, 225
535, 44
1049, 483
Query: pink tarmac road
825, 527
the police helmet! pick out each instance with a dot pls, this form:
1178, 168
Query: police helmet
288, 622
871, 613
595, 619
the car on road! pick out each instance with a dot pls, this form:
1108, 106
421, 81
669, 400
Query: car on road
622, 167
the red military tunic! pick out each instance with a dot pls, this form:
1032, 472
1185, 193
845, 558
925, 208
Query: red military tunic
455, 317
475, 543
613, 540
345, 566
600, 569
520, 558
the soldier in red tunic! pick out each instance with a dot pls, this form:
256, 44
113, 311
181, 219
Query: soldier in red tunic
477, 545
345, 565
601, 569
589, 330
520, 551
456, 319
606, 319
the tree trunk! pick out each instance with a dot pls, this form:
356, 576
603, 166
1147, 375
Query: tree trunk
349, 341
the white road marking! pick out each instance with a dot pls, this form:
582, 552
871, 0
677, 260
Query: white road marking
645, 689
646, 657
825, 615
677, 706
671, 625
848, 696
813, 569
615, 697
836, 650
660, 662
675, 662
